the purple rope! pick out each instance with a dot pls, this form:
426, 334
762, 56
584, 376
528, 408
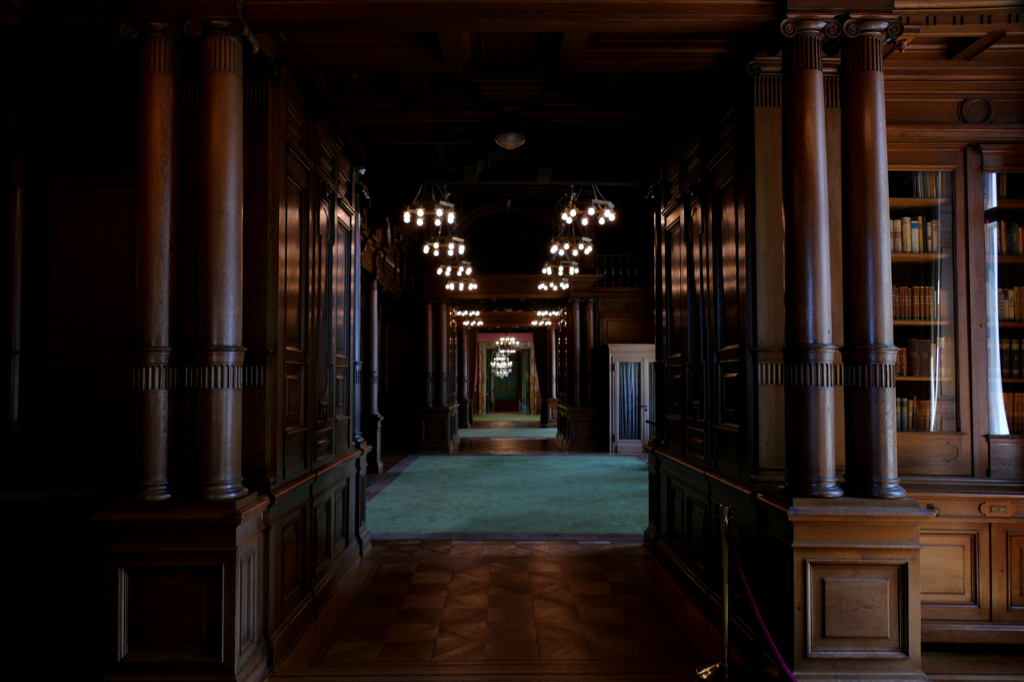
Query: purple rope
760, 621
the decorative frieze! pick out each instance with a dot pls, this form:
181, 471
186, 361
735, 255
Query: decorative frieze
215, 377
154, 377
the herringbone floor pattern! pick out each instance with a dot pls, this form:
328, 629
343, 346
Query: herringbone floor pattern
498, 610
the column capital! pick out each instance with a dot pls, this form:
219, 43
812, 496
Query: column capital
814, 26
131, 29
887, 27
232, 26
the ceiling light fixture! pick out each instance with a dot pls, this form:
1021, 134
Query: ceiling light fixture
510, 140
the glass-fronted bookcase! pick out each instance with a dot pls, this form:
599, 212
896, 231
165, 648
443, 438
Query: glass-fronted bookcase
927, 249
998, 224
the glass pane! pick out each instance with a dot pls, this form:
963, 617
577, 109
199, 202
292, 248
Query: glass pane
1003, 197
922, 300
629, 400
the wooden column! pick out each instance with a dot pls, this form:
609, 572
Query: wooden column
465, 398
429, 349
373, 419
869, 356
553, 359
151, 371
442, 348
217, 376
810, 373
16, 227
589, 323
577, 352
357, 340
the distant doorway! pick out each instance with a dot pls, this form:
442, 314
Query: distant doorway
632, 396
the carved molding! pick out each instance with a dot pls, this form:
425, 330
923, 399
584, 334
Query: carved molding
154, 377
869, 375
815, 374
215, 377
221, 52
233, 27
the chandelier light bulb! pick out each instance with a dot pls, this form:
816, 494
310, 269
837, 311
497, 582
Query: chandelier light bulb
583, 221
419, 222
572, 212
439, 212
575, 252
448, 271
462, 249
469, 271
426, 249
440, 270
437, 245
566, 246
437, 222
451, 217
611, 217
436, 253
600, 221
419, 212
406, 217
590, 211
462, 285
554, 248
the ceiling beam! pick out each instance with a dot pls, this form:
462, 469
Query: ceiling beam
959, 51
573, 44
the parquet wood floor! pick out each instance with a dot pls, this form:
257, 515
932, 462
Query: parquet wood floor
491, 610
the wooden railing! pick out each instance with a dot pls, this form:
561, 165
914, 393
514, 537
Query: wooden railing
624, 271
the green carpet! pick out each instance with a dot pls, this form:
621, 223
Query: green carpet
508, 433
506, 417
514, 494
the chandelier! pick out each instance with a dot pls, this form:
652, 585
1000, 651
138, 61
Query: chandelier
437, 211
554, 284
545, 318
507, 344
501, 364
541, 323
470, 316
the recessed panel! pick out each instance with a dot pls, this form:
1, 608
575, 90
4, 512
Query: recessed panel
856, 607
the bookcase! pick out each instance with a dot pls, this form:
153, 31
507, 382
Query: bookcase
920, 206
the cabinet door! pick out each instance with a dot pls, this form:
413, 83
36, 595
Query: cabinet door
1008, 572
955, 571
928, 299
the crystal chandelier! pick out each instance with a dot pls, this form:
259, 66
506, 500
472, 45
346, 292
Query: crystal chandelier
508, 343
501, 364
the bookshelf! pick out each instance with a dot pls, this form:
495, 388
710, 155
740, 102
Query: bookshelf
921, 248
1003, 206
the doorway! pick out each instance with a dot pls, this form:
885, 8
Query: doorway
632, 396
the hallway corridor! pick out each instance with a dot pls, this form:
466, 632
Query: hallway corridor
476, 610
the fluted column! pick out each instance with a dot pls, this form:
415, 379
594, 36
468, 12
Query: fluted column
810, 374
429, 349
152, 372
217, 376
869, 356
442, 342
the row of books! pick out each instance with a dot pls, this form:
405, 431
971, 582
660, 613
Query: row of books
925, 358
913, 414
1010, 357
914, 235
1009, 238
920, 303
927, 184
1013, 404
1011, 304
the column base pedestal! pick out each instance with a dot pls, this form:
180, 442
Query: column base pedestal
857, 589
440, 433
575, 429
184, 595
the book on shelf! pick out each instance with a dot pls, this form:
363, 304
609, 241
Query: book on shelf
1011, 304
920, 303
925, 358
1009, 238
916, 414
927, 184
914, 235
1013, 405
